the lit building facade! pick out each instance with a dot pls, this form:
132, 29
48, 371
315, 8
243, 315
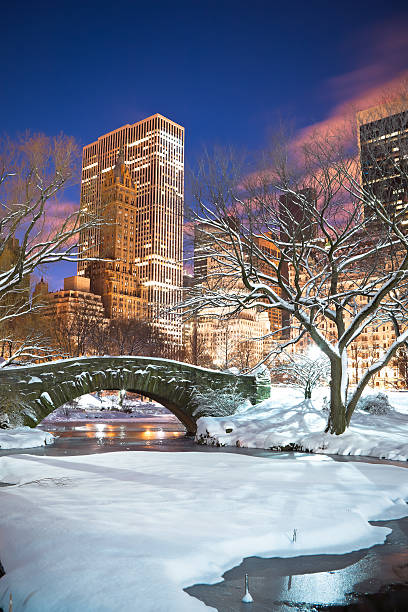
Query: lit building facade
116, 276
383, 147
71, 317
153, 154
218, 337
367, 348
241, 340
75, 299
276, 317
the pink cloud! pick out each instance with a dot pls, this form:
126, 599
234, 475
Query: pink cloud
342, 118
55, 215
381, 73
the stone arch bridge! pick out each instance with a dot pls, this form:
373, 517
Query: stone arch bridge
39, 389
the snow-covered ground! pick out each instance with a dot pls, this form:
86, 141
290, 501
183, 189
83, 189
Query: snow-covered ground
106, 407
286, 420
24, 437
128, 531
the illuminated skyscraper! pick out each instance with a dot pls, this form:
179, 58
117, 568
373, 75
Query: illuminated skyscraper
147, 207
383, 145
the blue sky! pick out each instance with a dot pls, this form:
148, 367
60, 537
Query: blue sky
227, 71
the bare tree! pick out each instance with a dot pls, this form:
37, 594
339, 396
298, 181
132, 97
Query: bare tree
244, 355
302, 370
196, 350
73, 334
133, 337
100, 341
34, 170
35, 347
336, 254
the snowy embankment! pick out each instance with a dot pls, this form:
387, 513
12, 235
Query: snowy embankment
285, 421
24, 437
129, 531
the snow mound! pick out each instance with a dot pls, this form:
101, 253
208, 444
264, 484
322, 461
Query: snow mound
284, 422
88, 401
171, 520
24, 437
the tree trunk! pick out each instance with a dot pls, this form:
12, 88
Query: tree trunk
337, 418
308, 391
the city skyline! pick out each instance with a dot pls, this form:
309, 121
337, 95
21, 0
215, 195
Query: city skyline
230, 79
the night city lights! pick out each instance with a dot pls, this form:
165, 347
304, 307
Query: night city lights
204, 307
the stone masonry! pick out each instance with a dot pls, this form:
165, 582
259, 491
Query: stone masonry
40, 389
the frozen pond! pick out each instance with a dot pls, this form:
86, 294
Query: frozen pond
371, 580
302, 583
158, 433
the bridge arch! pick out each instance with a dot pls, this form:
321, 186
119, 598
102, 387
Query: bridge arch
42, 388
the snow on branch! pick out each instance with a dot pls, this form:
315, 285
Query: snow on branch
319, 237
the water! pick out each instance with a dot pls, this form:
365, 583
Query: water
143, 434
368, 580
371, 580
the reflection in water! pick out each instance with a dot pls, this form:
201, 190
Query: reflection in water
310, 583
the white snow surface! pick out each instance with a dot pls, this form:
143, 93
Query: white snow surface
286, 419
129, 531
24, 437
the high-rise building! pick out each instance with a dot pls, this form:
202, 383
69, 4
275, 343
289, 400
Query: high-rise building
116, 276
148, 239
297, 225
383, 146
297, 216
276, 317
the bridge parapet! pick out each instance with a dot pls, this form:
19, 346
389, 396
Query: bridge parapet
44, 387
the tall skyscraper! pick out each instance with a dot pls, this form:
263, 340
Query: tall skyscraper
383, 145
136, 173
296, 213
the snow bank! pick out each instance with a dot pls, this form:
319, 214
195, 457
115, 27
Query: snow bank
285, 421
88, 401
129, 531
24, 437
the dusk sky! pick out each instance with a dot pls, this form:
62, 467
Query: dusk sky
227, 71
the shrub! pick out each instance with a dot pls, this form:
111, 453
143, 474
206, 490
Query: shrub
218, 402
375, 404
11, 409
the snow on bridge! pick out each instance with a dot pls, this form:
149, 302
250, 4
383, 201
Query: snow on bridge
39, 389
